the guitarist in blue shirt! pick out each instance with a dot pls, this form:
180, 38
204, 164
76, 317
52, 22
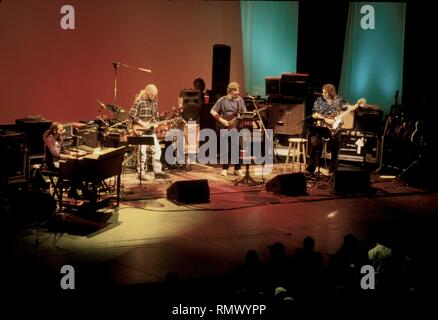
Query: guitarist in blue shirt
225, 111
328, 111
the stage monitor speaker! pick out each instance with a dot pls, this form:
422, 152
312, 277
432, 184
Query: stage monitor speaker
189, 191
221, 69
351, 180
191, 104
286, 118
290, 184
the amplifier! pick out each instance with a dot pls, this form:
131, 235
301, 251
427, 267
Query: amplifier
359, 146
368, 120
88, 135
34, 127
294, 85
13, 151
286, 118
272, 86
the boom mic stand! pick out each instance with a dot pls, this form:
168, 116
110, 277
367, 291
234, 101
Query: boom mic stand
263, 130
116, 65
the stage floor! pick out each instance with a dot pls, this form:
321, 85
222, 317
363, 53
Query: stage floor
148, 236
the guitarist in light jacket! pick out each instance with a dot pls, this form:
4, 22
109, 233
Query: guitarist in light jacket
144, 112
324, 110
225, 111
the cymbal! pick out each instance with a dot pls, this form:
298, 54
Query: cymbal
114, 108
122, 116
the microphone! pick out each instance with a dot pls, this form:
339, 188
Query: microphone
250, 97
145, 70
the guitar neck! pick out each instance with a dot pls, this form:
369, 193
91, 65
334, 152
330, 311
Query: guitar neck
344, 113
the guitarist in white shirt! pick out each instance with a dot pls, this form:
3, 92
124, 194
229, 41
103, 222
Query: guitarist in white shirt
144, 113
225, 111
326, 111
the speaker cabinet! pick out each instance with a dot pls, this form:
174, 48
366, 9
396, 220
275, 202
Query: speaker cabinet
272, 86
207, 120
190, 191
290, 184
294, 85
351, 180
88, 135
13, 152
34, 129
286, 118
191, 104
221, 69
348, 121
368, 120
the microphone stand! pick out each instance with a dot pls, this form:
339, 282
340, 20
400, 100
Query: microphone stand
131, 67
116, 66
263, 129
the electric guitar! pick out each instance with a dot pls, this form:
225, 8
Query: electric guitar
141, 127
335, 121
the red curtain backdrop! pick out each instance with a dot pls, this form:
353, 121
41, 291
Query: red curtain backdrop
59, 74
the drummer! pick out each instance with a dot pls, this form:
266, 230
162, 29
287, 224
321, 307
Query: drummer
144, 112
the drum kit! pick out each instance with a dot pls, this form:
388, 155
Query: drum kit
116, 122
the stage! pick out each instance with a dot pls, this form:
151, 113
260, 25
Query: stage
148, 236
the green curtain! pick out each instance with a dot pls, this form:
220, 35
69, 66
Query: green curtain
373, 58
269, 34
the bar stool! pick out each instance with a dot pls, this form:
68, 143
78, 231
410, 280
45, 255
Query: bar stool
296, 149
325, 151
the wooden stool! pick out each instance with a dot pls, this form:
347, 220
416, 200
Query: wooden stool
325, 152
296, 149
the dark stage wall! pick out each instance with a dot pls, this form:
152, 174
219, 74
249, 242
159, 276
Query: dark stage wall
58, 74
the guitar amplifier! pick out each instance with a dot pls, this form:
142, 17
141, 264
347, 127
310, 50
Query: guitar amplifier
348, 121
13, 150
88, 135
286, 118
359, 146
34, 128
368, 120
272, 86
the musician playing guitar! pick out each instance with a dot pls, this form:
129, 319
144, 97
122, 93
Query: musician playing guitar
328, 111
144, 113
226, 111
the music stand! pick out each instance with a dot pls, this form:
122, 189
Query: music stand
322, 133
138, 141
246, 121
